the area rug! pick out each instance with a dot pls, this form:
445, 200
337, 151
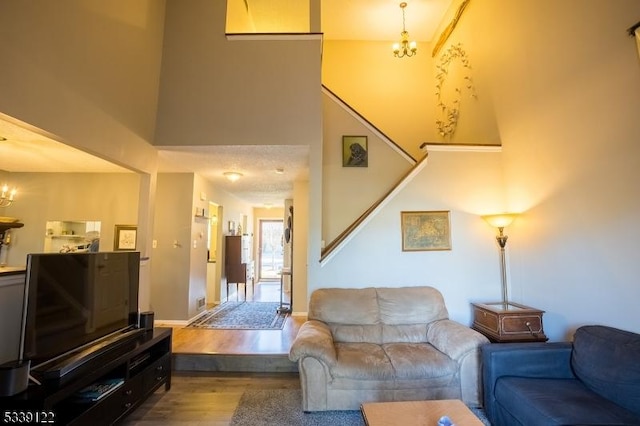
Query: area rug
242, 316
284, 407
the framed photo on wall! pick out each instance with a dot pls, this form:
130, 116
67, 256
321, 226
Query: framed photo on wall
355, 152
125, 237
423, 231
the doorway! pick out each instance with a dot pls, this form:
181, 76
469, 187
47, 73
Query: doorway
214, 241
270, 249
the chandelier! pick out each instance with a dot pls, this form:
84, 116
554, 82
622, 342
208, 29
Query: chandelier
405, 47
7, 196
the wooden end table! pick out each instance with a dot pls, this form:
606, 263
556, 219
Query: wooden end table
508, 322
418, 413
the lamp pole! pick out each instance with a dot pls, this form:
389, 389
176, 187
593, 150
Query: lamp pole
502, 242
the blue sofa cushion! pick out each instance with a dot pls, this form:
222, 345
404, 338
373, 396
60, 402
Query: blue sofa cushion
607, 360
536, 402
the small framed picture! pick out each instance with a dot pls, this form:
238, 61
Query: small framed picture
355, 152
125, 237
422, 231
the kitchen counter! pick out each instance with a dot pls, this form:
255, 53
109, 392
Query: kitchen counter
11, 270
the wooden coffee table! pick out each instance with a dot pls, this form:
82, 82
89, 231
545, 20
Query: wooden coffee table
417, 413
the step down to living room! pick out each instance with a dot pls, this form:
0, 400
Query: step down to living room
234, 363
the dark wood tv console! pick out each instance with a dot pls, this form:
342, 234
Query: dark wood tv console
143, 368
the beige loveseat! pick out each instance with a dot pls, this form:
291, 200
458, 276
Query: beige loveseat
384, 344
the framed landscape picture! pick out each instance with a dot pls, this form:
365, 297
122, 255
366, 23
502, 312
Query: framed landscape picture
428, 230
125, 237
355, 151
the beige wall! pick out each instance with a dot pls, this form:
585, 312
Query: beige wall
212, 87
565, 79
87, 74
111, 198
562, 80
267, 16
398, 94
347, 192
171, 257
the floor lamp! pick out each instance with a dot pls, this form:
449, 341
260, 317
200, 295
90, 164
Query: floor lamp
507, 321
501, 221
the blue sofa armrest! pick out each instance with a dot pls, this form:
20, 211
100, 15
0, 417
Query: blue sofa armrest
541, 360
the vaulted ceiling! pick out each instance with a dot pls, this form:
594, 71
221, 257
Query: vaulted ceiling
29, 150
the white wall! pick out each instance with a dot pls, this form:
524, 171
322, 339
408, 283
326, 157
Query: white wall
566, 82
465, 183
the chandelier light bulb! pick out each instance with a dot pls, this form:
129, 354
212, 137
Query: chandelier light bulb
6, 198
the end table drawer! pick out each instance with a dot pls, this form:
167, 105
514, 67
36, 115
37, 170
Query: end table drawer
521, 324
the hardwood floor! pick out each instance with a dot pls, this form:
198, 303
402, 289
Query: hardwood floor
206, 341
198, 398
203, 399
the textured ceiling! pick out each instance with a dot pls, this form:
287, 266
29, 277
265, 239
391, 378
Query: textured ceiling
260, 185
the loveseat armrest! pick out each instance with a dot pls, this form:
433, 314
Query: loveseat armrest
454, 339
461, 344
540, 360
315, 340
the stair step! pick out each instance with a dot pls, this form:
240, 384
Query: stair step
237, 363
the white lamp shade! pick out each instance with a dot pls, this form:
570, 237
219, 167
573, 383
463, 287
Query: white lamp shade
500, 220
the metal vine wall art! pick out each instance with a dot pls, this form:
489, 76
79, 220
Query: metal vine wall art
449, 114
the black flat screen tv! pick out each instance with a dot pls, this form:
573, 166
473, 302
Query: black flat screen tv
75, 300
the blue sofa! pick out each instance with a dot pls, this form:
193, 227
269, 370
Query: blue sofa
593, 381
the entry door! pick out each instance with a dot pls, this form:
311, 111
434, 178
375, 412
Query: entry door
270, 253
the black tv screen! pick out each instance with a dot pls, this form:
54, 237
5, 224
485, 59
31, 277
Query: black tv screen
73, 299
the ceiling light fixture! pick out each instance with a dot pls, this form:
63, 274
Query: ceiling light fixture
232, 176
404, 48
7, 196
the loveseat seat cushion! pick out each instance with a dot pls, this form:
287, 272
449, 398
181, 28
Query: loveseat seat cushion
607, 360
394, 361
536, 402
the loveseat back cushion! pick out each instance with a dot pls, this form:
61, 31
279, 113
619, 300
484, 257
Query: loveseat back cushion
378, 315
607, 361
411, 305
344, 306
